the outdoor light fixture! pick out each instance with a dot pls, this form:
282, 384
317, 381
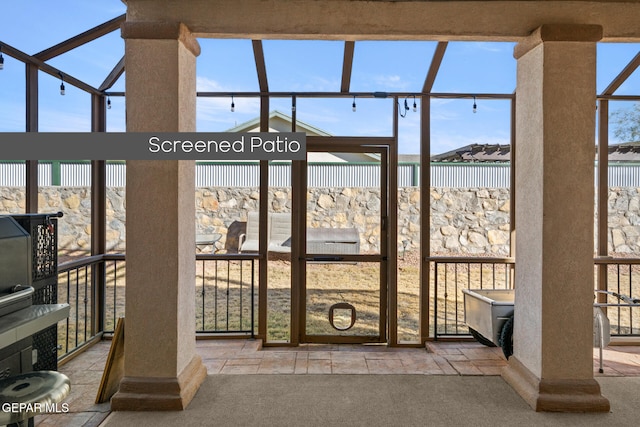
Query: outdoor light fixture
353, 106
403, 110
108, 103
61, 83
293, 105
475, 107
1, 59
233, 105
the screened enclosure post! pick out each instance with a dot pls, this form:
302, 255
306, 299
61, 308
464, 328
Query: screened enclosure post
298, 224
298, 227
512, 192
31, 109
98, 218
32, 186
512, 181
389, 245
263, 271
98, 244
603, 195
31, 125
425, 215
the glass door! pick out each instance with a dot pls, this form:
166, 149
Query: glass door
343, 265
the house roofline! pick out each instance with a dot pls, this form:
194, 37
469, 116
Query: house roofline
300, 125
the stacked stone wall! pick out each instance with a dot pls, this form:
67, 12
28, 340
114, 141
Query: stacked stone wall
463, 220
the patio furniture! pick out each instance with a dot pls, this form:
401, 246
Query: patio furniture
248, 241
280, 233
278, 238
323, 240
208, 240
340, 241
602, 330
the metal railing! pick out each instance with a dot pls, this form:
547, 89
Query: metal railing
225, 293
75, 287
620, 276
451, 275
114, 290
225, 296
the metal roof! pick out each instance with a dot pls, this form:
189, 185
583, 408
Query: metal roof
626, 152
476, 153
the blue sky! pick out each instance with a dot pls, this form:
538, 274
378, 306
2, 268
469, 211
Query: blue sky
292, 66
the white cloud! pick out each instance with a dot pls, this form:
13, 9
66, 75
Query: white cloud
205, 84
490, 47
315, 84
392, 82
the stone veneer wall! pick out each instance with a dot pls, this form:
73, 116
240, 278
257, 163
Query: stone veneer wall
463, 220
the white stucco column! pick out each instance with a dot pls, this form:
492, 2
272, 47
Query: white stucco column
552, 365
162, 368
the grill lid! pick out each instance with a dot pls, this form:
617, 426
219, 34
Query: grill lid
15, 255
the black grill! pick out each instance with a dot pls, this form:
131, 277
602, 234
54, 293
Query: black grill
15, 293
47, 294
43, 229
29, 312
46, 342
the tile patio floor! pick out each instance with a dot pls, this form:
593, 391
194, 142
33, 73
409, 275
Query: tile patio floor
246, 357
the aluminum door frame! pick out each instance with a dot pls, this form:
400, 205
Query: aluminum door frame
382, 146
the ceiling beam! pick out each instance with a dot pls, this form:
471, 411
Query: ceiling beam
113, 76
347, 65
46, 68
80, 39
480, 20
434, 67
623, 76
261, 68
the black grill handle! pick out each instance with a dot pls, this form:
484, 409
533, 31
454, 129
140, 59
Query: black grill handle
48, 220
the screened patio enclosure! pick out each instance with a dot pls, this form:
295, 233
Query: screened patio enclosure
434, 274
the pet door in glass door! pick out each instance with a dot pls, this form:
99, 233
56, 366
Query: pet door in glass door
344, 263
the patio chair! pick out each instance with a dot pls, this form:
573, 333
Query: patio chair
248, 241
280, 233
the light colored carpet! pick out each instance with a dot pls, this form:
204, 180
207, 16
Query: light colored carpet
375, 400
